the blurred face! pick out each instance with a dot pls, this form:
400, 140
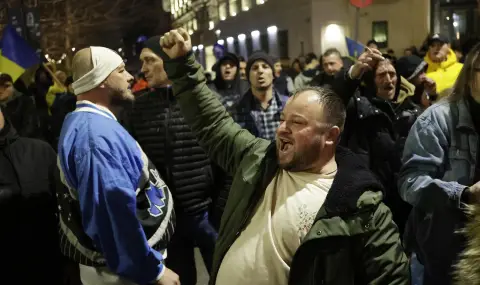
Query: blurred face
261, 75
373, 46
2, 120
419, 79
303, 135
437, 51
407, 52
152, 67
278, 68
385, 81
243, 70
6, 91
228, 70
296, 67
118, 84
332, 64
62, 76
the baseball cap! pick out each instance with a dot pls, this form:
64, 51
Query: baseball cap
437, 38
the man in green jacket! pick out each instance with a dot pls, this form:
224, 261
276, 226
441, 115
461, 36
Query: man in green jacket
301, 210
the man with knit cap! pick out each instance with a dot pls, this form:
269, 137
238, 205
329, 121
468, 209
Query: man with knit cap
156, 123
260, 108
116, 212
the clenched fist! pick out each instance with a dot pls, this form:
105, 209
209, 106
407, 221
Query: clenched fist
176, 43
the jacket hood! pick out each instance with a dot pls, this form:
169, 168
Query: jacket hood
451, 60
405, 90
352, 180
218, 81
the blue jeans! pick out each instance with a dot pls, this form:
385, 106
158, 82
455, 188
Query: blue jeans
417, 270
191, 232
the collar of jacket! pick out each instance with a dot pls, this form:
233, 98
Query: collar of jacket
450, 61
353, 178
247, 103
7, 135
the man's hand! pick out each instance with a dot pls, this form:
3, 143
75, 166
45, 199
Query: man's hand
430, 86
169, 278
176, 43
367, 61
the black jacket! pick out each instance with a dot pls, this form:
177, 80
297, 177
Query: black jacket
156, 123
376, 130
29, 243
229, 92
23, 115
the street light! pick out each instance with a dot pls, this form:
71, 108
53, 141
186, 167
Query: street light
119, 49
230, 40
255, 33
241, 37
194, 48
200, 47
272, 29
221, 42
73, 49
217, 32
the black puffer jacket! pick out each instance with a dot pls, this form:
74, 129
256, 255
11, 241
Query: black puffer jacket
29, 245
376, 130
156, 123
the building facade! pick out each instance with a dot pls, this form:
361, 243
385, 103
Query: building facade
290, 28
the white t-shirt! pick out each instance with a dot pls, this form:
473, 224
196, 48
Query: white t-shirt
262, 254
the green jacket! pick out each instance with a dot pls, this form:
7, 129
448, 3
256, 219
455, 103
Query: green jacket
353, 239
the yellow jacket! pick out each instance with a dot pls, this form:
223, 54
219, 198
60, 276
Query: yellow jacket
52, 94
444, 73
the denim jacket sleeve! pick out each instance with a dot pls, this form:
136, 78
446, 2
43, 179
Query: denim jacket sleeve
424, 162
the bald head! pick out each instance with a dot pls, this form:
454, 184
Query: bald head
82, 63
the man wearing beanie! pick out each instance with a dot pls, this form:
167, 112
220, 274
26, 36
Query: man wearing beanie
116, 212
260, 108
228, 84
156, 123
413, 69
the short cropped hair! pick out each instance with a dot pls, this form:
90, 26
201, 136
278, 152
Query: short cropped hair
331, 51
334, 109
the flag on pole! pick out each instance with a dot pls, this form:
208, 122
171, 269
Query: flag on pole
16, 55
355, 48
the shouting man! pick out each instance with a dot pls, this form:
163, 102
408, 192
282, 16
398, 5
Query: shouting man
117, 215
301, 210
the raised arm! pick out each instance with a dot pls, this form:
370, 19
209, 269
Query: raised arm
225, 142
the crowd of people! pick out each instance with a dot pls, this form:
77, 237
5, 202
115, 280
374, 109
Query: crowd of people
333, 170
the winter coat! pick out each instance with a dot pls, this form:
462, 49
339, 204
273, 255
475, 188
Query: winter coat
439, 163
304, 78
29, 243
21, 112
376, 130
353, 239
444, 73
156, 123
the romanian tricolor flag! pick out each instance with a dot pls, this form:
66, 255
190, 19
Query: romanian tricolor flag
15, 54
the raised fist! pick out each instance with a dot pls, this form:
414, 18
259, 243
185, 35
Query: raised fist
176, 43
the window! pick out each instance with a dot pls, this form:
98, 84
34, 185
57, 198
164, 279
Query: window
246, 5
260, 2
233, 7
222, 11
380, 33
195, 25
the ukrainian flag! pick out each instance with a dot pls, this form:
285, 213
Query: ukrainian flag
15, 54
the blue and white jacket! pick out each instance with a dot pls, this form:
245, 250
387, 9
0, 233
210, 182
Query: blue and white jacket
115, 209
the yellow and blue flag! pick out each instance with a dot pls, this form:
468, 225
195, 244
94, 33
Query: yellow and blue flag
16, 55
